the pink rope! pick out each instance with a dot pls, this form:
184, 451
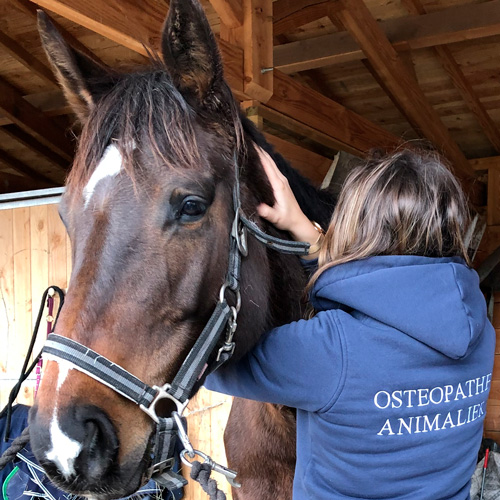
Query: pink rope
50, 319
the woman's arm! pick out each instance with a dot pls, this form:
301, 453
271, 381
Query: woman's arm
299, 365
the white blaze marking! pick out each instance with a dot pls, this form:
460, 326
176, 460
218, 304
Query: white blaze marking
64, 449
109, 166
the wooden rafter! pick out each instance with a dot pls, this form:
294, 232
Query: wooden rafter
460, 81
17, 165
288, 15
479, 164
30, 142
27, 59
33, 121
455, 24
350, 131
229, 11
403, 89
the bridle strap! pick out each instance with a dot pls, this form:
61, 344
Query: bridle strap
280, 245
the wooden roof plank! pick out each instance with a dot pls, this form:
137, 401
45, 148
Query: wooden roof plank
230, 12
33, 121
460, 81
455, 24
403, 88
26, 59
310, 164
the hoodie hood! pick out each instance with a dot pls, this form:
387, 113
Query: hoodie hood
420, 296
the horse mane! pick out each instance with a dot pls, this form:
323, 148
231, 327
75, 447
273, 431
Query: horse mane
317, 204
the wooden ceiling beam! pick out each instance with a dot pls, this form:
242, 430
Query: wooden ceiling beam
351, 132
479, 164
403, 89
17, 165
230, 12
131, 25
460, 81
26, 59
30, 9
30, 142
33, 121
455, 24
136, 25
258, 49
288, 15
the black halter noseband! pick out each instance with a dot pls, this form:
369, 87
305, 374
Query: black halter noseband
201, 359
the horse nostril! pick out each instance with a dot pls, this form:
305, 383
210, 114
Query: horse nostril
99, 444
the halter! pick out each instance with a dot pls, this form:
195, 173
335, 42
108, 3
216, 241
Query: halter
223, 319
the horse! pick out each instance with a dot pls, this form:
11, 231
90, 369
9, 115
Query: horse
149, 209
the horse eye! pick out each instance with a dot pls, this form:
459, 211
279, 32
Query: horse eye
192, 209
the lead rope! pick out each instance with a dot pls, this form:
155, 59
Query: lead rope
200, 472
23, 439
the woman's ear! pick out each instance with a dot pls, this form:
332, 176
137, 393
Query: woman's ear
80, 77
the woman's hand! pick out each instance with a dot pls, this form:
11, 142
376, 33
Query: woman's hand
285, 214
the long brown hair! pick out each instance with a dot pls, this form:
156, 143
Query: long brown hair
407, 203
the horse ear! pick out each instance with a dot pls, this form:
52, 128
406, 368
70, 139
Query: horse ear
190, 51
76, 73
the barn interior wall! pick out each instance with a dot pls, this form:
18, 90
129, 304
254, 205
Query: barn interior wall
35, 253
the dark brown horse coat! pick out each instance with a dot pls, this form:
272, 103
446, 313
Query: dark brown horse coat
148, 208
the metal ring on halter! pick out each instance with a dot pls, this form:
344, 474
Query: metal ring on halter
229, 474
222, 296
163, 394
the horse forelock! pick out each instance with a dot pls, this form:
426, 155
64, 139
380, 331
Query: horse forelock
145, 114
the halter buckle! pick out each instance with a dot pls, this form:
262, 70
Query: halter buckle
239, 233
163, 394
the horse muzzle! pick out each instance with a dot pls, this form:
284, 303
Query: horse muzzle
78, 448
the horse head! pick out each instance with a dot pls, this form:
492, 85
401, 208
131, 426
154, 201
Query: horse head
148, 207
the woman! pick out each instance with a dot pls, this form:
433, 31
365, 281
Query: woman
390, 377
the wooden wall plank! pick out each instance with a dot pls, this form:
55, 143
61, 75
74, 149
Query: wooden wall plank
7, 334
22, 303
39, 269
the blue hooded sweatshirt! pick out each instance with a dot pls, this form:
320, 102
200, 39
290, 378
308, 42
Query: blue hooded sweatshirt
390, 380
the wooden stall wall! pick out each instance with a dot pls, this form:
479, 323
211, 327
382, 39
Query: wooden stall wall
35, 253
